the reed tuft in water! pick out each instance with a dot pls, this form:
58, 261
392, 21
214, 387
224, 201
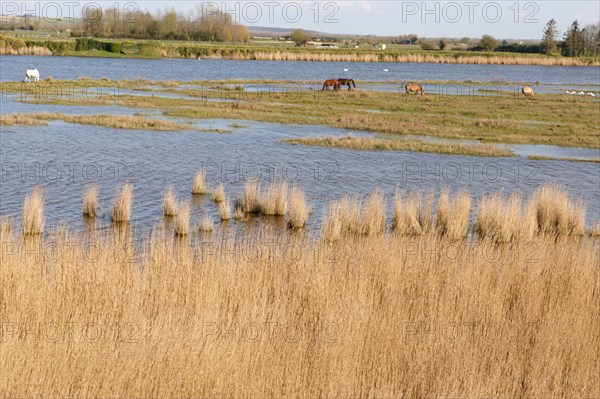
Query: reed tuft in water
121, 209
170, 205
199, 186
298, 211
90, 201
33, 212
182, 220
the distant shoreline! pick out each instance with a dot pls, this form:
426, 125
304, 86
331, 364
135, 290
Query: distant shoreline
231, 51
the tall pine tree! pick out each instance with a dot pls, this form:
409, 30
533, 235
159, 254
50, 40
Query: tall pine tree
573, 44
549, 45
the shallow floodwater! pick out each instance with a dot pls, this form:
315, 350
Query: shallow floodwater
13, 69
64, 157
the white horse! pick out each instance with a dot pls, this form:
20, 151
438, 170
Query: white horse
32, 75
527, 91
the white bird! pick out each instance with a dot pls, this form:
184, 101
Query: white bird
386, 70
345, 69
567, 92
592, 94
581, 93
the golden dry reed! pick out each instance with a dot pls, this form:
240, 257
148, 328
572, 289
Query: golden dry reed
170, 205
224, 208
298, 210
90, 201
452, 218
557, 213
415, 215
381, 317
273, 200
250, 198
416, 58
219, 194
33, 212
182, 220
207, 224
121, 209
199, 186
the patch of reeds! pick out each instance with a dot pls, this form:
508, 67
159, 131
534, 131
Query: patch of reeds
298, 211
170, 205
556, 213
182, 220
224, 209
219, 194
273, 200
33, 212
401, 144
207, 225
199, 186
121, 209
452, 218
90, 201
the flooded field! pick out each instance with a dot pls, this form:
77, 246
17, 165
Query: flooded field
64, 157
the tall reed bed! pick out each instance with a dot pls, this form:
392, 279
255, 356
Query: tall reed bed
356, 318
33, 212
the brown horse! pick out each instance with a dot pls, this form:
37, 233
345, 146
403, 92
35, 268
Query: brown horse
331, 82
414, 88
347, 82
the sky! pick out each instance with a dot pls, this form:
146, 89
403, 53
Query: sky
504, 19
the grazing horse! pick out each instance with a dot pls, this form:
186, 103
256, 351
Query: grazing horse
32, 75
347, 82
527, 91
331, 82
414, 88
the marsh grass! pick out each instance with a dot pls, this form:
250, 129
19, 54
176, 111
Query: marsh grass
219, 194
199, 186
273, 200
170, 205
249, 201
413, 145
33, 212
557, 213
503, 219
121, 209
452, 217
20, 120
182, 220
299, 210
224, 208
550, 119
90, 200
374, 215
111, 121
377, 312
207, 225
